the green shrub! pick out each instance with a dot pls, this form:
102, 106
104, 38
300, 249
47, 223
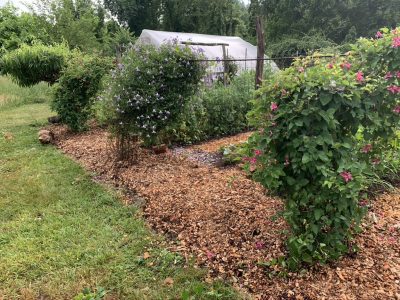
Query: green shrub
29, 65
308, 148
79, 83
150, 88
214, 112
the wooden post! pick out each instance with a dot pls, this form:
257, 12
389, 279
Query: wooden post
260, 52
226, 70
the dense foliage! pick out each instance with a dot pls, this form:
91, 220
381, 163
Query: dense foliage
79, 83
16, 30
29, 65
214, 111
324, 128
149, 89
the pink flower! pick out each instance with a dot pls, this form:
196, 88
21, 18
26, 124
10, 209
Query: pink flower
274, 106
398, 74
246, 159
376, 161
360, 76
366, 148
394, 89
260, 245
346, 176
379, 35
253, 160
396, 42
287, 161
210, 255
257, 152
397, 109
330, 66
345, 66
301, 70
388, 75
363, 202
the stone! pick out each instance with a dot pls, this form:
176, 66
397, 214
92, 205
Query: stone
46, 136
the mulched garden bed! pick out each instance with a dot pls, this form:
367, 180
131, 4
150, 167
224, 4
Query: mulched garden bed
229, 224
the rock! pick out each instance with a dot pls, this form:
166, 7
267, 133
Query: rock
46, 136
54, 120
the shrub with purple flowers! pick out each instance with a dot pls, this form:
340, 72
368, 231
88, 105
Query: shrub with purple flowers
149, 89
312, 118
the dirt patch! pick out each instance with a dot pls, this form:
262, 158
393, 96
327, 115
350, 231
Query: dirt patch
226, 221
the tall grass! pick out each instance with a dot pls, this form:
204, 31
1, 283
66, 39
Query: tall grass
12, 95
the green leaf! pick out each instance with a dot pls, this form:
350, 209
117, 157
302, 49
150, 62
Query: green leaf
318, 213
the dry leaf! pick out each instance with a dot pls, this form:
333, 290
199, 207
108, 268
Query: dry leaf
146, 255
168, 281
8, 136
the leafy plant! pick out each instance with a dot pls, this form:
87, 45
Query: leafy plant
29, 65
78, 84
150, 88
87, 294
308, 150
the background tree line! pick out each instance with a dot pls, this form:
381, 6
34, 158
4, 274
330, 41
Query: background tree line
291, 26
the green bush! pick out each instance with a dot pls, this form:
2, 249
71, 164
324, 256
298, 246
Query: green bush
215, 111
79, 83
150, 88
308, 147
29, 65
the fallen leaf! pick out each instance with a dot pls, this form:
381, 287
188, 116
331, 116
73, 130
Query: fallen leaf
146, 255
168, 281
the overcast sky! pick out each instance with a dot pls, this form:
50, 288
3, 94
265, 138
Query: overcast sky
20, 3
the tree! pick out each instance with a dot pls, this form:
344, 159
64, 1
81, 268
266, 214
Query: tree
137, 14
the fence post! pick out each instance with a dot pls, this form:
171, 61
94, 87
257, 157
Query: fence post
260, 52
225, 56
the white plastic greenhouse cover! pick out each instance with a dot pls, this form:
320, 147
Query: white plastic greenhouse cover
237, 49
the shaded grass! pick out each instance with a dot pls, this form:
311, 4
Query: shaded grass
60, 232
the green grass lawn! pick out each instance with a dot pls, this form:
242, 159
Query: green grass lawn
60, 232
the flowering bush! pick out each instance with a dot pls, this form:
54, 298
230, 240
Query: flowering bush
308, 148
149, 89
78, 84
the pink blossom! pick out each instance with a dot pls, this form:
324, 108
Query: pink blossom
301, 70
346, 176
394, 89
253, 160
388, 75
330, 66
376, 161
274, 106
246, 159
360, 76
345, 66
260, 245
398, 74
379, 35
363, 202
210, 255
366, 148
257, 152
396, 42
397, 109
287, 161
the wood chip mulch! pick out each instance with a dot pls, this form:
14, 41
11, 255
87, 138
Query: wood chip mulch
229, 224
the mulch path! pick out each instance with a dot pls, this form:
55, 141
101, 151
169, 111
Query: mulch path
228, 223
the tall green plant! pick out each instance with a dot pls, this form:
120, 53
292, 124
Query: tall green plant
307, 149
149, 89
79, 83
29, 65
